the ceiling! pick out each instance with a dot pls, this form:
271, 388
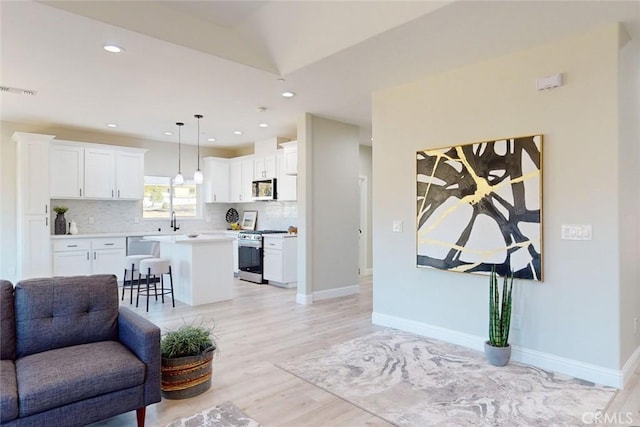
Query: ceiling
225, 59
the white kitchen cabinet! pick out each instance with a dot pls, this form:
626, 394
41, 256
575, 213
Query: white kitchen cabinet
264, 167
240, 179
216, 182
129, 175
99, 173
247, 179
290, 157
66, 171
287, 184
280, 260
96, 171
81, 256
33, 210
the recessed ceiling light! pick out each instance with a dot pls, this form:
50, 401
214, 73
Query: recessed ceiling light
237, 132
168, 133
113, 48
288, 94
112, 125
211, 140
263, 125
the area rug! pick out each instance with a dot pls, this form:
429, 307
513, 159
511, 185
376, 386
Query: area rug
224, 415
410, 380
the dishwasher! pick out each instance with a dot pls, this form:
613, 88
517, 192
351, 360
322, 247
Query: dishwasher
138, 245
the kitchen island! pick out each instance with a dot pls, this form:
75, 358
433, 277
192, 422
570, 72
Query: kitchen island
202, 266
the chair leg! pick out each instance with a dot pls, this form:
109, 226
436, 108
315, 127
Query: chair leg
155, 286
173, 301
162, 287
148, 276
132, 271
138, 292
124, 284
140, 415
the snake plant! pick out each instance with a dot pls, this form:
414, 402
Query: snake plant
499, 310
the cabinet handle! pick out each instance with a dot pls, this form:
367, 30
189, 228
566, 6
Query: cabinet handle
87, 256
94, 255
46, 221
72, 246
109, 244
81, 192
118, 193
111, 193
214, 197
46, 208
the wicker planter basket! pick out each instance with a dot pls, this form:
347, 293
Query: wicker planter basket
185, 377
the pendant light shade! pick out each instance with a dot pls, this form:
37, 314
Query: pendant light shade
179, 179
197, 176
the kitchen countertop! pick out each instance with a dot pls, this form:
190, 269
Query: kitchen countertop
183, 239
136, 233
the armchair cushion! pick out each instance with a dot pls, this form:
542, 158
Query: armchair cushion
65, 311
9, 394
7, 322
66, 375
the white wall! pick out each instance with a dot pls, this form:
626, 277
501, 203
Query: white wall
629, 178
574, 314
366, 165
328, 208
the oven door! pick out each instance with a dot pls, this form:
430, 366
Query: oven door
250, 260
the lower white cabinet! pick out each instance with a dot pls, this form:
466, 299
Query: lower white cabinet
280, 260
82, 256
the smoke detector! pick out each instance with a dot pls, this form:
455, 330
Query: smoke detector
17, 91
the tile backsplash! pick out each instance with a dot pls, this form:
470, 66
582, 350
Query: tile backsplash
118, 216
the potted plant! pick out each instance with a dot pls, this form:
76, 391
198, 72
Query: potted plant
60, 223
187, 358
497, 348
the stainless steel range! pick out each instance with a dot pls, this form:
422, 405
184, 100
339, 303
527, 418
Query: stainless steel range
250, 254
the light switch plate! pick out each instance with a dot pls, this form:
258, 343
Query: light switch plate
576, 232
136, 220
397, 226
91, 220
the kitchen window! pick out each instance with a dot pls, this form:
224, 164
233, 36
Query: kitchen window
162, 196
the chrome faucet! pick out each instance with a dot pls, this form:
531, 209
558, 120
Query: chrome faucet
174, 222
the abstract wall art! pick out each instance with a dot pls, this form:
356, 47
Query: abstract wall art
480, 205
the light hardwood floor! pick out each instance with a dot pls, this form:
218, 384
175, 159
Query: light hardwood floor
262, 326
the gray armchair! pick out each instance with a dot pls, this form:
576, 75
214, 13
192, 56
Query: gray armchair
71, 356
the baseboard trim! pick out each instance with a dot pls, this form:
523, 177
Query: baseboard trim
304, 299
335, 293
631, 365
575, 368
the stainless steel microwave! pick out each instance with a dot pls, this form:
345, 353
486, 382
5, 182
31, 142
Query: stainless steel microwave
264, 189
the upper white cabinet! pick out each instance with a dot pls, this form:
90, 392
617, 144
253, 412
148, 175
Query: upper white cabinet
216, 182
287, 184
100, 174
264, 167
129, 175
96, 171
33, 210
290, 157
66, 171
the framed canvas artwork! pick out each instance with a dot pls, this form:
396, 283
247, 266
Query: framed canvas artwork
480, 205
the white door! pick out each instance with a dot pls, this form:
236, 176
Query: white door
99, 173
67, 171
362, 242
129, 175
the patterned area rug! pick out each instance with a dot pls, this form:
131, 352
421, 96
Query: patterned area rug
413, 381
224, 415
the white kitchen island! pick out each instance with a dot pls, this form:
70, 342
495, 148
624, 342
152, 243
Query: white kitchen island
202, 266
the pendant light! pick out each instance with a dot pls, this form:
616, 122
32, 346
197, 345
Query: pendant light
197, 176
179, 179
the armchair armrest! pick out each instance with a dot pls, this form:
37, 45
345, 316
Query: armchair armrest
142, 337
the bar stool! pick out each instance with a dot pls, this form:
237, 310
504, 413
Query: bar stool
155, 267
132, 263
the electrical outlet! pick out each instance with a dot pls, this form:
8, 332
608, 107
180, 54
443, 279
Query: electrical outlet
207, 218
91, 220
397, 226
517, 321
136, 220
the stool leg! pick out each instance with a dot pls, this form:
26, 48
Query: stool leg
124, 284
139, 279
131, 283
148, 276
155, 286
173, 301
162, 287
138, 293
